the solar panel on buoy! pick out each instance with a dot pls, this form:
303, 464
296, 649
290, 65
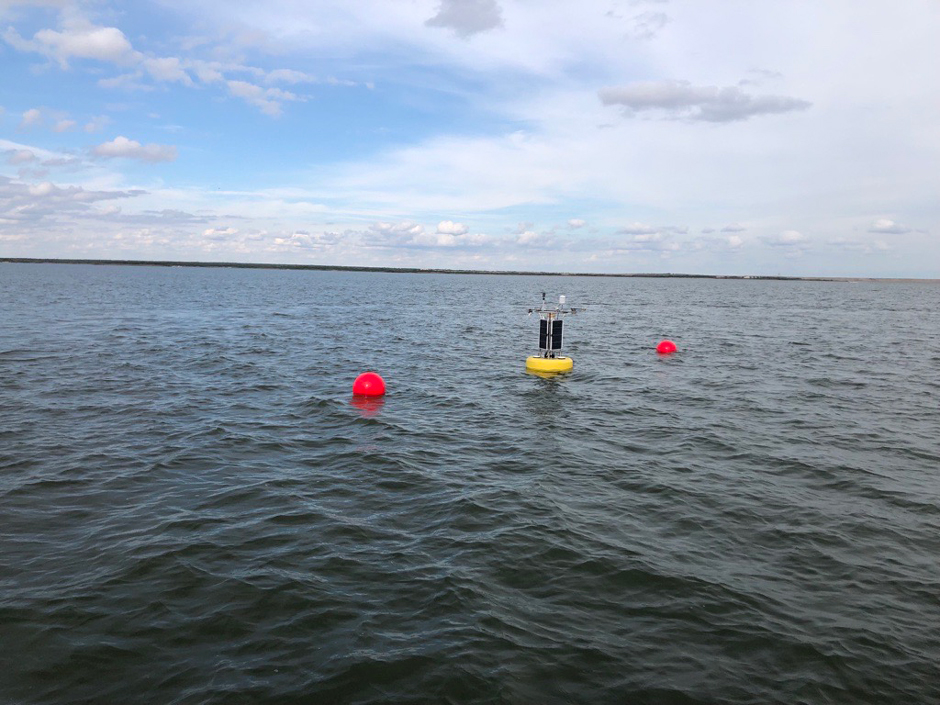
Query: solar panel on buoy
557, 336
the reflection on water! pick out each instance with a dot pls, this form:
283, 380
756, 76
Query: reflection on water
368, 406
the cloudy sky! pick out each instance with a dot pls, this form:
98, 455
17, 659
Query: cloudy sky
797, 137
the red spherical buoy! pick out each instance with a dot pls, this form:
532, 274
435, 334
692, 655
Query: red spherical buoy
369, 384
666, 347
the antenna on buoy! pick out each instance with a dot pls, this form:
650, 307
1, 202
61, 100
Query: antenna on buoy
551, 337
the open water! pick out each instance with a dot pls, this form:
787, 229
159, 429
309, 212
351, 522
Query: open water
193, 511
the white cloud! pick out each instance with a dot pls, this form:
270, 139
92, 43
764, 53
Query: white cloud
575, 223
288, 76
125, 148
219, 233
859, 246
733, 228
649, 237
64, 125
40, 204
127, 82
21, 156
31, 118
786, 238
167, 69
406, 228
268, 100
409, 234
97, 124
706, 103
208, 71
541, 241
81, 40
447, 227
639, 229
467, 17
306, 240
883, 225
723, 244
647, 25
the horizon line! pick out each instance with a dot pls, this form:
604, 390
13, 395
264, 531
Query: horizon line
437, 270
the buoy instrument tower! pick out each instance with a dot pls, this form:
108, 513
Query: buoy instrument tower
551, 338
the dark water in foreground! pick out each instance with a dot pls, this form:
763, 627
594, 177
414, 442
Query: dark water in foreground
191, 510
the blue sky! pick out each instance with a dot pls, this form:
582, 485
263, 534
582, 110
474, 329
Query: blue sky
723, 137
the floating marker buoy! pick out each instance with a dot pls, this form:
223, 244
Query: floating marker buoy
666, 347
369, 384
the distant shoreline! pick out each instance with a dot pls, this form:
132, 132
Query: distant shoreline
418, 270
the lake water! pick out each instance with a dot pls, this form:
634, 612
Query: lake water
193, 511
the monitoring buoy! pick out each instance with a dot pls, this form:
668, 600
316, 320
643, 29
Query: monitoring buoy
535, 363
551, 339
369, 384
666, 347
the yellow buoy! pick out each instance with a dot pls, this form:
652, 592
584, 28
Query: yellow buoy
536, 363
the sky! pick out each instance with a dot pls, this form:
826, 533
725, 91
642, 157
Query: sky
780, 137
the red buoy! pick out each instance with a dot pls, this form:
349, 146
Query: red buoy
666, 347
369, 384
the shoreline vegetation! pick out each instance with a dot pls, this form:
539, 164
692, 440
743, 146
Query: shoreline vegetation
419, 270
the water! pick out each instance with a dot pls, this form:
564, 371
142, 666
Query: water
192, 511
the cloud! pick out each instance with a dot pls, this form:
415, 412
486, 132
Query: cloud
77, 38
306, 240
64, 125
20, 156
733, 228
575, 223
167, 69
533, 239
31, 118
219, 233
121, 147
680, 99
97, 124
81, 40
787, 238
410, 234
288, 76
759, 77
267, 99
638, 229
865, 248
404, 228
23, 204
883, 225
168, 216
641, 238
448, 240
447, 227
728, 243
647, 24
467, 17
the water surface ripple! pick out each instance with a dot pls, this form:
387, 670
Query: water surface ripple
192, 511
